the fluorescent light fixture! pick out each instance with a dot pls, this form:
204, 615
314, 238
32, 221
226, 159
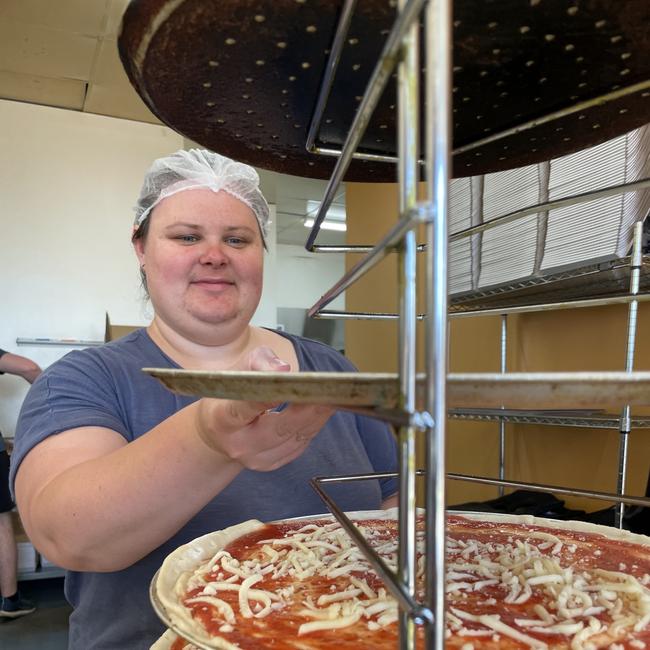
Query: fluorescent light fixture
326, 224
334, 219
335, 212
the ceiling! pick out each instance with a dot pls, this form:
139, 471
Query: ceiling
64, 54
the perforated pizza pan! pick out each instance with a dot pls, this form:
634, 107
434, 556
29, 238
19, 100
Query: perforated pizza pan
242, 77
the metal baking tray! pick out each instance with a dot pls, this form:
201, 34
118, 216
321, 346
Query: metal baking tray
378, 393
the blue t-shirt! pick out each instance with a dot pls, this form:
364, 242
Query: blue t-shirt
105, 387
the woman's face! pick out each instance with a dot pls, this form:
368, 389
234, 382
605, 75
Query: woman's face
203, 260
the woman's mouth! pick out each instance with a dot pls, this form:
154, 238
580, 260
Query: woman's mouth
212, 283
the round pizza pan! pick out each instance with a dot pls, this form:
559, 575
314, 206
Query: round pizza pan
242, 77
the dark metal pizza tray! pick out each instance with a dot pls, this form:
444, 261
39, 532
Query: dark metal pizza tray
242, 77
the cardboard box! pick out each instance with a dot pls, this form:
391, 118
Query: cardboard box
113, 332
19, 531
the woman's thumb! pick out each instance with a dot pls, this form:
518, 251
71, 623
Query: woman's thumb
263, 358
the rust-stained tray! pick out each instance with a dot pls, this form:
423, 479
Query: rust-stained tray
340, 388
242, 77
380, 391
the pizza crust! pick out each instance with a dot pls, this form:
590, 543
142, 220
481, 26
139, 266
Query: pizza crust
563, 525
177, 568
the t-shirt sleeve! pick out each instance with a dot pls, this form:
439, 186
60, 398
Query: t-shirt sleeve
2, 352
381, 447
76, 391
376, 435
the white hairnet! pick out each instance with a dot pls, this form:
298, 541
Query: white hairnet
197, 168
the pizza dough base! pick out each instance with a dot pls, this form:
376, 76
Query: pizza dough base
181, 563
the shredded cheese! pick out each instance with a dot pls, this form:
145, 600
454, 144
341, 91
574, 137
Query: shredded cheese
537, 566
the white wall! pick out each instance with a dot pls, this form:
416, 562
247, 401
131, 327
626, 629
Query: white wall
303, 277
266, 314
68, 182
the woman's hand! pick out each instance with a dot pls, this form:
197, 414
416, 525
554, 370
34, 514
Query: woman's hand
249, 433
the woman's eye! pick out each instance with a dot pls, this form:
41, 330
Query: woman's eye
236, 241
189, 239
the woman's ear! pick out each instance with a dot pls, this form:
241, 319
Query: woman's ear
138, 247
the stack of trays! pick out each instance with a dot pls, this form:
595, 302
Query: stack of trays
542, 243
508, 251
460, 251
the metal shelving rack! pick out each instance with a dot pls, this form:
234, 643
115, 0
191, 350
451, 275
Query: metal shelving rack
601, 283
617, 281
559, 291
401, 239
591, 420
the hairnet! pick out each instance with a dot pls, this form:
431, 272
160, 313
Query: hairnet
197, 168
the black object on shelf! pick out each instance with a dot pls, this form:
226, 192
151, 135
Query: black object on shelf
635, 519
524, 502
541, 504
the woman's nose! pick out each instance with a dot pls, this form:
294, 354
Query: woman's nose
213, 254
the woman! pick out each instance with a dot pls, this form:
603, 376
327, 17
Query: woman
112, 471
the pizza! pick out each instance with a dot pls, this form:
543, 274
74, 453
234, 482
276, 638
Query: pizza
511, 582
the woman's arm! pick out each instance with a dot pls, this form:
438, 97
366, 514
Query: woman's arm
91, 501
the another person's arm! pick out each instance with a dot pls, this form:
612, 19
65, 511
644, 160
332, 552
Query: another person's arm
14, 364
90, 501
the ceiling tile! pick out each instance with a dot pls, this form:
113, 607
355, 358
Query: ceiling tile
63, 93
72, 16
32, 49
116, 10
110, 92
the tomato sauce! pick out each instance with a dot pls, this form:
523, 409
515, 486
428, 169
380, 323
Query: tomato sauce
279, 630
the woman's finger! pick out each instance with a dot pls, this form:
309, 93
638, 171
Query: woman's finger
264, 359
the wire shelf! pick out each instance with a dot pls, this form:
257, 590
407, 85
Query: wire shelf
587, 419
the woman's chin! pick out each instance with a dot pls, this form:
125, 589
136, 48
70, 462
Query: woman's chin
231, 317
